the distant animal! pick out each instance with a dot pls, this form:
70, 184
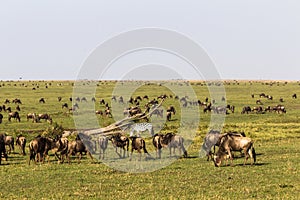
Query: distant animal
64, 105
294, 96
33, 116
59, 99
18, 108
141, 127
138, 143
119, 140
46, 117
99, 112
21, 142
2, 148
17, 101
83, 99
246, 109
229, 143
42, 100
1, 117
14, 115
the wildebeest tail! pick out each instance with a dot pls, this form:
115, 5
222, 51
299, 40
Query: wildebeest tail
253, 154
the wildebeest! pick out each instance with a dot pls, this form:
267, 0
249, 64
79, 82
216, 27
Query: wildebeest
258, 109
119, 140
169, 140
64, 105
33, 116
21, 142
14, 115
60, 148
138, 143
231, 142
9, 141
103, 142
279, 109
17, 101
42, 100
1, 117
2, 148
211, 140
246, 109
294, 96
46, 117
77, 147
37, 149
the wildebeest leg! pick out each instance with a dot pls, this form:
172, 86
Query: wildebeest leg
130, 154
230, 156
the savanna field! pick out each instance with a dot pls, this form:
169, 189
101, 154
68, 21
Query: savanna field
276, 140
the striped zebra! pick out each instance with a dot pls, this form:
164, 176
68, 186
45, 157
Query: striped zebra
141, 127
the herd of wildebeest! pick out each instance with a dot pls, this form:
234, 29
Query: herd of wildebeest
39, 147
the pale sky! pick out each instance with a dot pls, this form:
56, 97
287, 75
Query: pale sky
250, 39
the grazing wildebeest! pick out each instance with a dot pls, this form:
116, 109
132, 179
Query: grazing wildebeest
119, 140
64, 105
246, 109
102, 101
258, 109
99, 112
59, 98
281, 99
108, 113
169, 140
231, 142
46, 117
8, 109
138, 143
9, 141
294, 96
145, 97
21, 142
121, 100
2, 148
14, 115
211, 140
83, 99
258, 101
17, 101
42, 100
93, 99
77, 147
1, 117
33, 116
103, 142
279, 109
7, 101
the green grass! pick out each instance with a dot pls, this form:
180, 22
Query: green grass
276, 136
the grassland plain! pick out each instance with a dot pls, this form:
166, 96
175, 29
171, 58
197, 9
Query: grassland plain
276, 136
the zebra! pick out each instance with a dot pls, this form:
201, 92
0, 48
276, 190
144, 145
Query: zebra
141, 127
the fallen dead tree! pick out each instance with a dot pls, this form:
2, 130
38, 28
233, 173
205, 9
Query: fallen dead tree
121, 124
